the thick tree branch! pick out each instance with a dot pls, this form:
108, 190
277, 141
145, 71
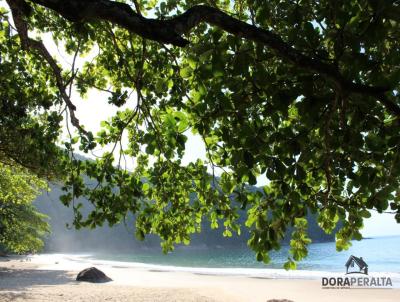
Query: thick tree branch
170, 31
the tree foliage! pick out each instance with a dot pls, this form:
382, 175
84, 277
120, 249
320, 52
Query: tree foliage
28, 125
22, 227
304, 92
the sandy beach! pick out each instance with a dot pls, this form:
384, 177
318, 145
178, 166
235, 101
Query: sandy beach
53, 279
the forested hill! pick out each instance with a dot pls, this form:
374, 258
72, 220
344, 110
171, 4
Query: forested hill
121, 236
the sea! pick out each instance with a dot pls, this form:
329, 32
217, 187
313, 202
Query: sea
382, 254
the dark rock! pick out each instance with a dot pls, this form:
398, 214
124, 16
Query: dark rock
279, 300
92, 274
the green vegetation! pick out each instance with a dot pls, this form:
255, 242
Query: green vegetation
119, 237
22, 227
303, 92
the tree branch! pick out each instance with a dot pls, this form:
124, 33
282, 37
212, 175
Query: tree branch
28, 43
170, 32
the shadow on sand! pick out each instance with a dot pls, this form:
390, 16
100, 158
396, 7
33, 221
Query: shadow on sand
20, 279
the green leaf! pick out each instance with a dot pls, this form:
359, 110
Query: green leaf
365, 214
186, 72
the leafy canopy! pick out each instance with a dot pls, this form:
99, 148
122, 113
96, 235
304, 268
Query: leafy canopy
304, 92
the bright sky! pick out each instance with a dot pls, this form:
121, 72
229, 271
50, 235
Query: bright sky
95, 109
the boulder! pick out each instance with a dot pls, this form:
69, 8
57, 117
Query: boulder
92, 274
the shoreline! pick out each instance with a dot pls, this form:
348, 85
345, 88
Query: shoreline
268, 273
51, 277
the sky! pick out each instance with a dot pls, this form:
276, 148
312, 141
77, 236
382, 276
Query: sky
95, 108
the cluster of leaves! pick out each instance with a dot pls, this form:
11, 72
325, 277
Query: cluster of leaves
29, 124
22, 227
322, 149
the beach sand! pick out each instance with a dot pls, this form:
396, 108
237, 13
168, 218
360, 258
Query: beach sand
46, 279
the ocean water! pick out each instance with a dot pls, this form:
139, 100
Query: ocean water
382, 254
